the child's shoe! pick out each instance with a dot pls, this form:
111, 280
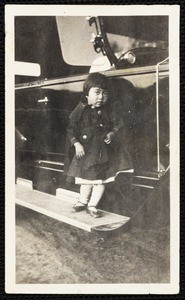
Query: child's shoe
79, 206
93, 211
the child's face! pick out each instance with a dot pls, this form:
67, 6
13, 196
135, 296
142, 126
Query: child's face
97, 97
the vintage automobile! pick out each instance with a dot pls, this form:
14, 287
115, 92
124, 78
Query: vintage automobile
133, 53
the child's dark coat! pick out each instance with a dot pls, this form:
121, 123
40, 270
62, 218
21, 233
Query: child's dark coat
89, 126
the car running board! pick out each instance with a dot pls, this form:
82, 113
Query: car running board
60, 207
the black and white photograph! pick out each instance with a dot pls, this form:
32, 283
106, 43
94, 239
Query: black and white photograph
92, 149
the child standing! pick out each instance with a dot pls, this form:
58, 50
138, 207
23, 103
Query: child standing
92, 128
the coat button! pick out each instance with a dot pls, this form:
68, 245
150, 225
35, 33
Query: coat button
99, 112
101, 125
84, 137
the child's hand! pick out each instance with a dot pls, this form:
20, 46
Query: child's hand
79, 149
108, 137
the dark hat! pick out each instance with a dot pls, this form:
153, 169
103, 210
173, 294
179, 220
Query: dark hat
95, 80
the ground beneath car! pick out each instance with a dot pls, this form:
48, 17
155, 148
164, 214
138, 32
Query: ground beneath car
51, 252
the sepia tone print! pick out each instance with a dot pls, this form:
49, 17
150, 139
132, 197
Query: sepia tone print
92, 150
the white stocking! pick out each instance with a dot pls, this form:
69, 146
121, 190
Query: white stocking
97, 193
85, 192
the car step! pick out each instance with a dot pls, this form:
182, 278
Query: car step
60, 207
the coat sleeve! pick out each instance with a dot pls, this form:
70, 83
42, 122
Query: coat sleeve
72, 137
116, 118
72, 131
73, 126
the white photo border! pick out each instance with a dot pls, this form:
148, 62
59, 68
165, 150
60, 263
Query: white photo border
173, 11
